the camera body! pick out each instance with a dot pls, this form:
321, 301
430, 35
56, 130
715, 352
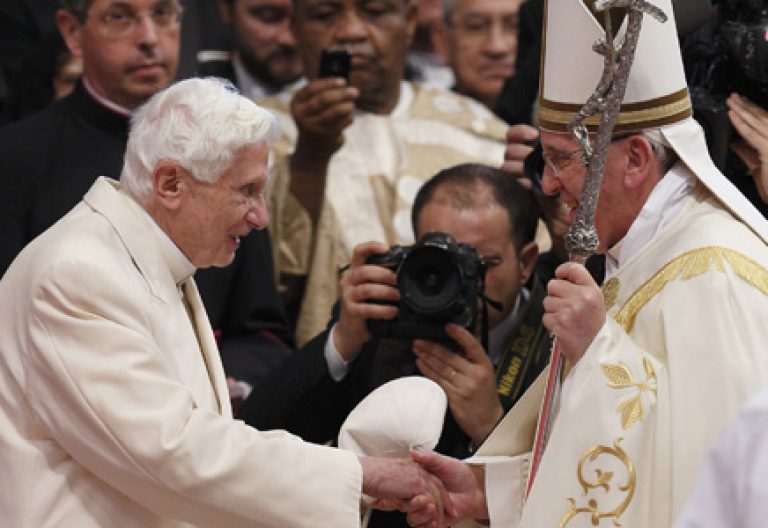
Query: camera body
439, 280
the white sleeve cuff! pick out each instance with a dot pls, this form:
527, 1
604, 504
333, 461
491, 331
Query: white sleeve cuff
505, 482
337, 366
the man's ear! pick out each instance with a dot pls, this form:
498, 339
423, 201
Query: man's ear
526, 260
71, 31
226, 10
640, 161
169, 182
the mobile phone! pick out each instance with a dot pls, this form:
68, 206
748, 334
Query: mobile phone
334, 62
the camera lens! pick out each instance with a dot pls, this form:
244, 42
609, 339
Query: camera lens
429, 282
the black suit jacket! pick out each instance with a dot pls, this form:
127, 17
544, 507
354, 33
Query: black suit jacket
49, 160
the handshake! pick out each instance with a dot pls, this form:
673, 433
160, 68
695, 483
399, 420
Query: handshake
432, 489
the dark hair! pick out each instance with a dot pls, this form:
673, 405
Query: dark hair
78, 8
466, 185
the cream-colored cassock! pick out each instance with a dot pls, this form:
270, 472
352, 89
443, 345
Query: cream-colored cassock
110, 413
371, 183
685, 343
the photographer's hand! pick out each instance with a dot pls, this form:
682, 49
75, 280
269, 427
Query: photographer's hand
751, 122
468, 380
361, 284
519, 139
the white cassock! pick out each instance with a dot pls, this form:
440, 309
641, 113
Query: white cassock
731, 489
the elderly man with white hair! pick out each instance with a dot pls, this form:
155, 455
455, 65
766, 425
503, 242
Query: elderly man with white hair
113, 403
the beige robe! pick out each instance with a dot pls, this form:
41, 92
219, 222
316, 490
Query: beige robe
685, 343
114, 408
371, 183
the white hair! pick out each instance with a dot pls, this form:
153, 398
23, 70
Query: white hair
199, 124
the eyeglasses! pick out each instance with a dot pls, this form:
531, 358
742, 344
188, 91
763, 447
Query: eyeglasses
122, 20
559, 161
537, 160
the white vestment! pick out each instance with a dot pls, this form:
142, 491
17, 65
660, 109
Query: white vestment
683, 346
731, 490
114, 409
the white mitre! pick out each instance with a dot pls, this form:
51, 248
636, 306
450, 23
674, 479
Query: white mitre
656, 95
402, 415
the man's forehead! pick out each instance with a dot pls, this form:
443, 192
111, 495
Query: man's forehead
557, 140
310, 3
483, 6
131, 3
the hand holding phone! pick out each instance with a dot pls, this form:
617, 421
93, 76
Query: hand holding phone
335, 62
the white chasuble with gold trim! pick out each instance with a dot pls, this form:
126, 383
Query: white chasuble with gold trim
684, 344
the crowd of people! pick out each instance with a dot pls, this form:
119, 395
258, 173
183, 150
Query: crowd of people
198, 282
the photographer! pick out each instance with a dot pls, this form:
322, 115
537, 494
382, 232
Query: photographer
474, 204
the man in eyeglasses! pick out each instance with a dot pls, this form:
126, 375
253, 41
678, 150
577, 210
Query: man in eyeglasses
660, 359
130, 51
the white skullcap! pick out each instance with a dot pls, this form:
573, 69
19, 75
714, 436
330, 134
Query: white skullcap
402, 415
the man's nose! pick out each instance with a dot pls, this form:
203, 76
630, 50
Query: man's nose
550, 184
257, 216
285, 37
350, 27
146, 30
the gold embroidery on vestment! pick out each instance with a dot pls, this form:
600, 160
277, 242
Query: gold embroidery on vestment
610, 292
687, 266
619, 377
603, 480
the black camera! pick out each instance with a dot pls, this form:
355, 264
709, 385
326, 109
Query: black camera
440, 281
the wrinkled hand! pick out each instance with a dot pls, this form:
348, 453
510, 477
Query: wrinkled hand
468, 380
519, 138
322, 110
751, 122
575, 309
464, 485
359, 286
394, 482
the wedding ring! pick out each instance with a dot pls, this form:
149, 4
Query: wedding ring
452, 375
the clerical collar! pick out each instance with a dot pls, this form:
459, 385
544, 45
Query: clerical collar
103, 101
499, 335
181, 267
249, 85
660, 208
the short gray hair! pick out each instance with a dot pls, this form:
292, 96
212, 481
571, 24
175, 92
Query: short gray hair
198, 123
665, 154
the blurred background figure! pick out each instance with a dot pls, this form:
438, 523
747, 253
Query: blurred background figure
427, 56
726, 56
481, 44
49, 73
22, 25
264, 58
